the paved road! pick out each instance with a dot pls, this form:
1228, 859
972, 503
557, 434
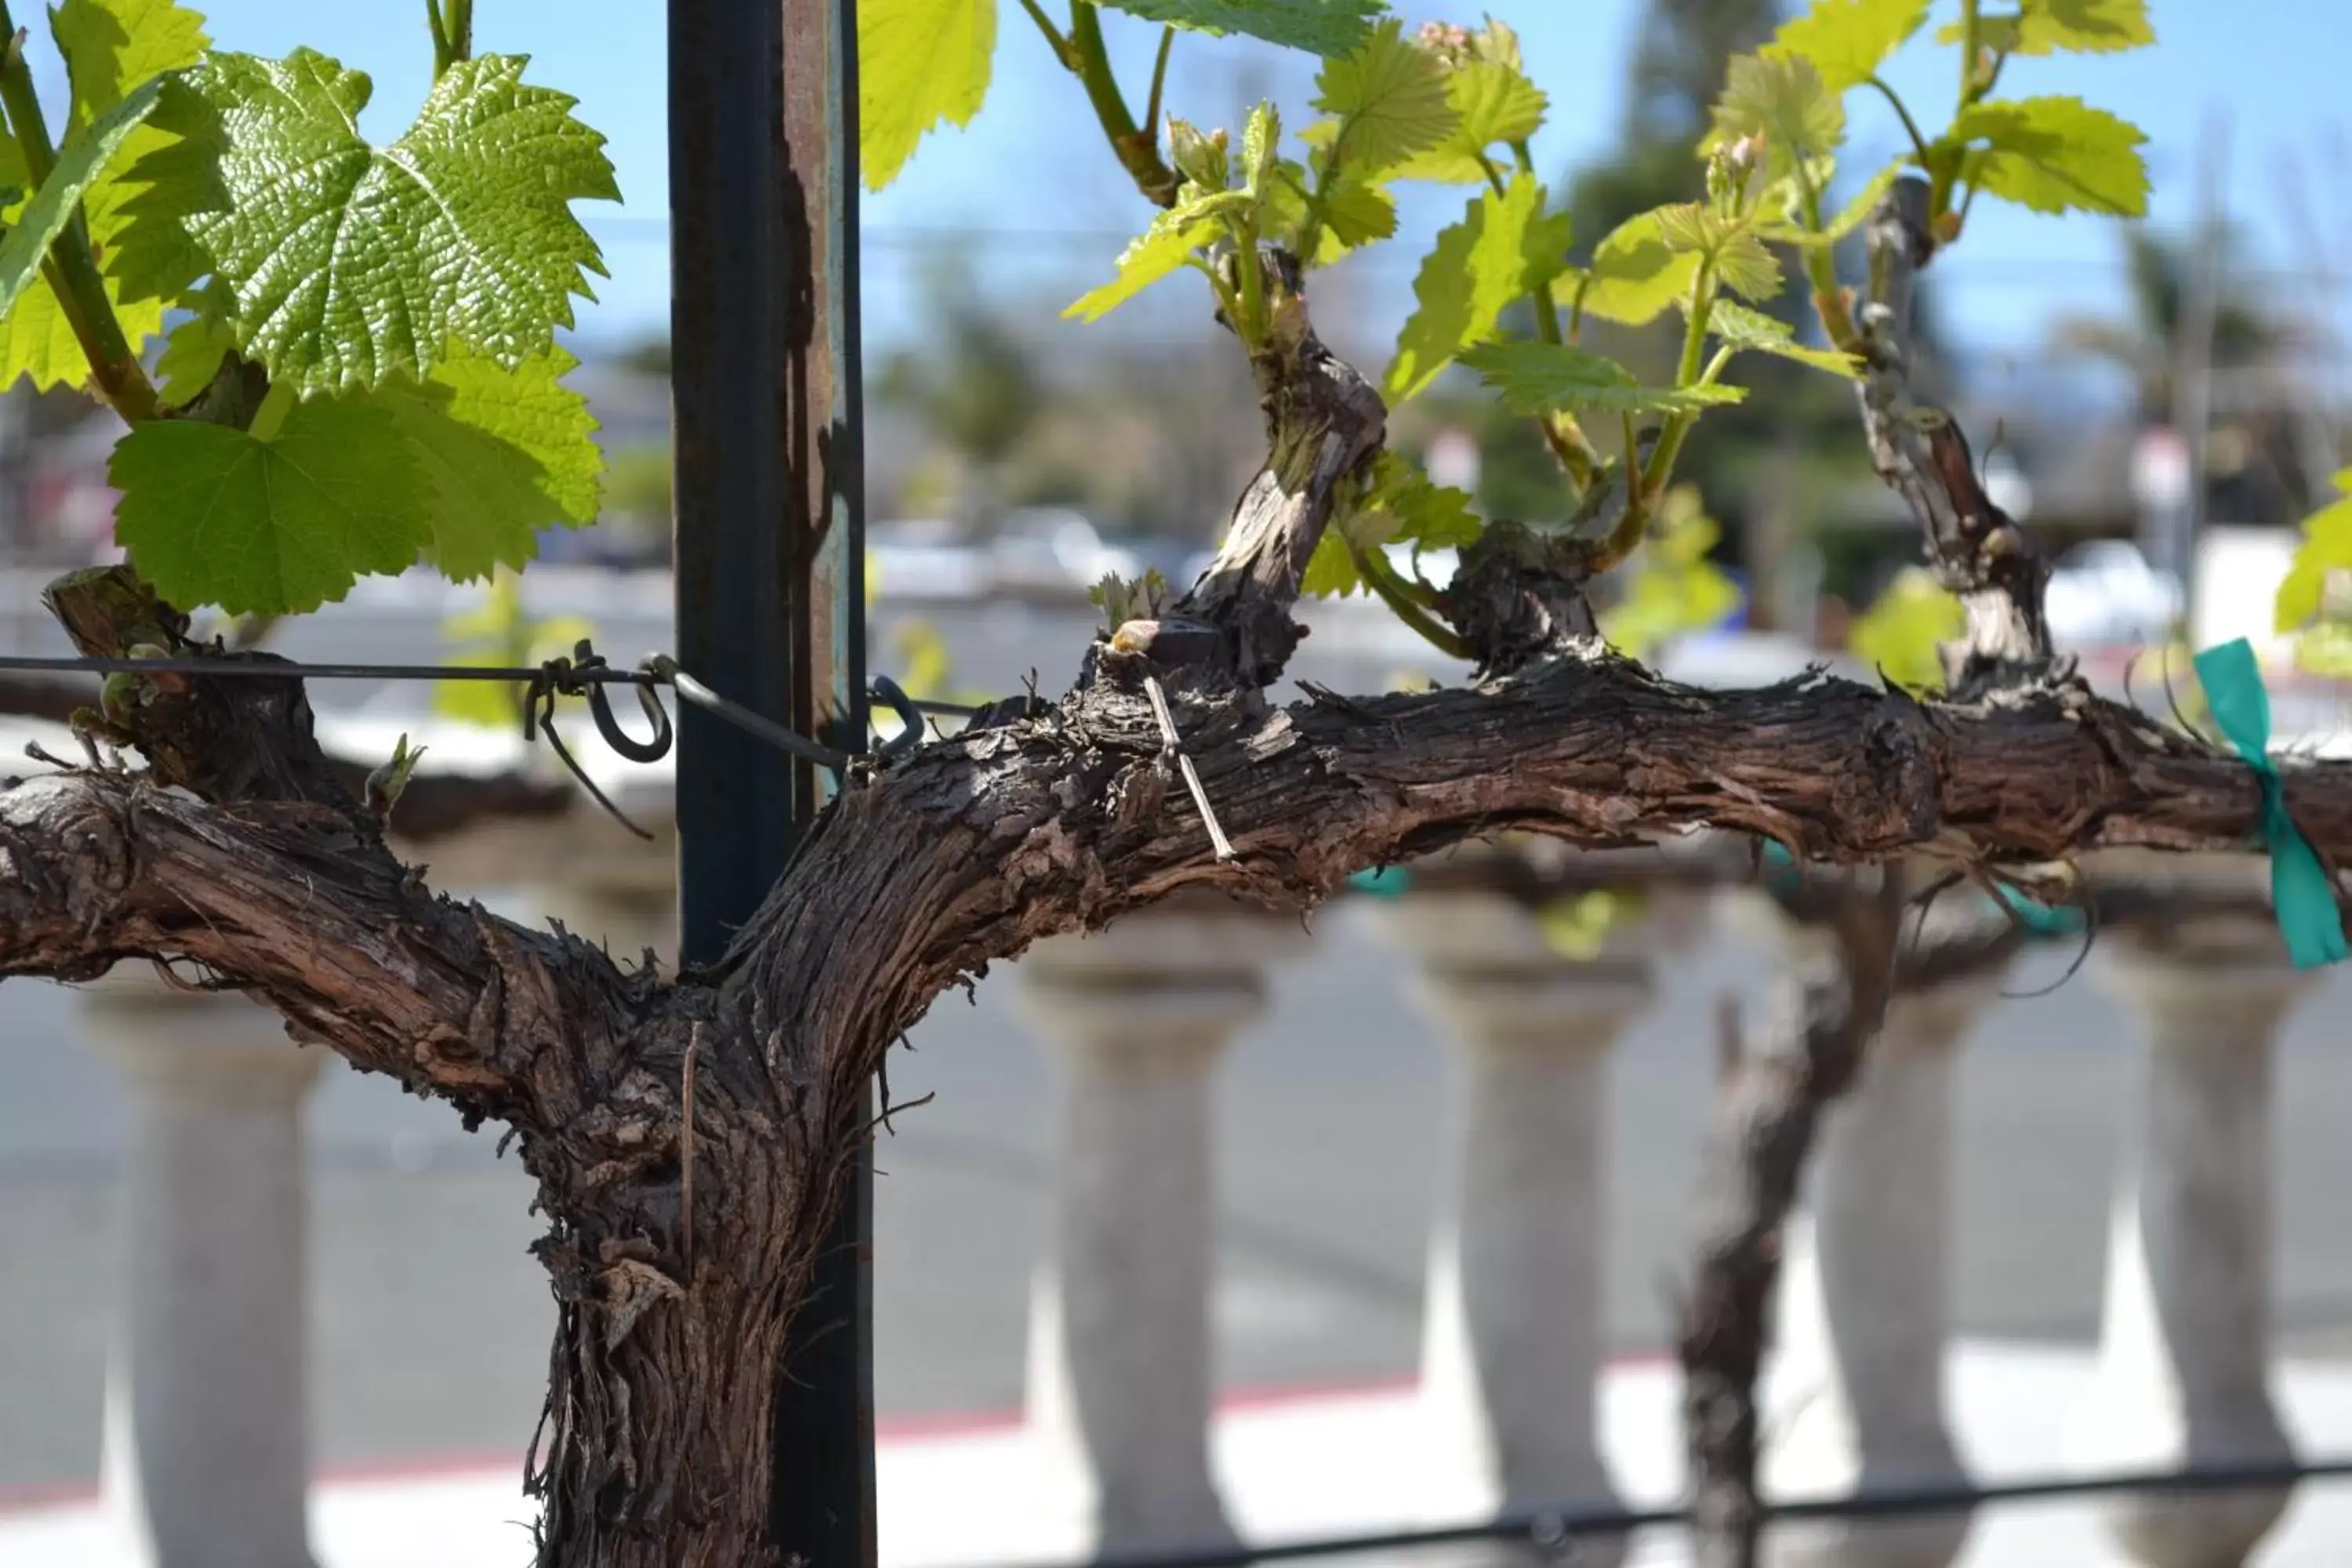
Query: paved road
431, 1320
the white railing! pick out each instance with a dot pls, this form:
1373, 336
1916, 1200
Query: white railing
205, 1450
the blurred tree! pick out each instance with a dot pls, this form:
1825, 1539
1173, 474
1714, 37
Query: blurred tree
2144, 342
2255, 468
637, 498
973, 385
647, 357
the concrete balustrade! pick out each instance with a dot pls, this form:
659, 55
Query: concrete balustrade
2182, 1374
205, 1454
1513, 1331
1122, 1367
1865, 1311
206, 1438
206, 1447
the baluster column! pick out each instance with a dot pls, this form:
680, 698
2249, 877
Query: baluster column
206, 1443
1515, 1321
2183, 1376
1865, 1297
1121, 1366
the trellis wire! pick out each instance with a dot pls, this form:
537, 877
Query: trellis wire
1557, 1530
582, 674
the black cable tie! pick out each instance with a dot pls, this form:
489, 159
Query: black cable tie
911, 717
600, 708
562, 676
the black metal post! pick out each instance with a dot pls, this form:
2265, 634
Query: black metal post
770, 556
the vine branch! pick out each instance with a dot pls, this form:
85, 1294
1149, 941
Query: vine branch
71, 266
1976, 549
1136, 148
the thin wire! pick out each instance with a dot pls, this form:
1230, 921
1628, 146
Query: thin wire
287, 670
1558, 1527
595, 675
584, 674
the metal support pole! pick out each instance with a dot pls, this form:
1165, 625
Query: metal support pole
770, 557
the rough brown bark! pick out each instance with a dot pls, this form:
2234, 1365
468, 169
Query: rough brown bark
1775, 1090
1771, 1098
434, 806
1976, 549
241, 859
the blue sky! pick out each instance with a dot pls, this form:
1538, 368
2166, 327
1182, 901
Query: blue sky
1031, 173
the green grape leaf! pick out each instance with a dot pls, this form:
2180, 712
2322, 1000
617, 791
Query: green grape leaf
1848, 40
1326, 28
1353, 202
1783, 99
1635, 276
2326, 650
1851, 217
1737, 327
1691, 225
919, 62
1740, 259
1578, 926
45, 217
1357, 212
1331, 572
1503, 246
499, 632
1159, 250
2327, 548
1747, 267
1387, 99
2056, 154
1282, 203
507, 453
191, 357
37, 343
1494, 104
1543, 246
1400, 505
1901, 634
1671, 588
350, 262
2047, 27
111, 46
213, 515
2083, 27
1428, 516
1562, 378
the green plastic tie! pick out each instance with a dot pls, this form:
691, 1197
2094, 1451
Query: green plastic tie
2300, 891
1388, 882
2041, 918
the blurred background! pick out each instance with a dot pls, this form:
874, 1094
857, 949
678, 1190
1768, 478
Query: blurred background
2162, 402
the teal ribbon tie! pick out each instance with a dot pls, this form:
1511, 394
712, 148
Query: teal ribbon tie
1388, 882
2301, 893
2041, 918
1781, 872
